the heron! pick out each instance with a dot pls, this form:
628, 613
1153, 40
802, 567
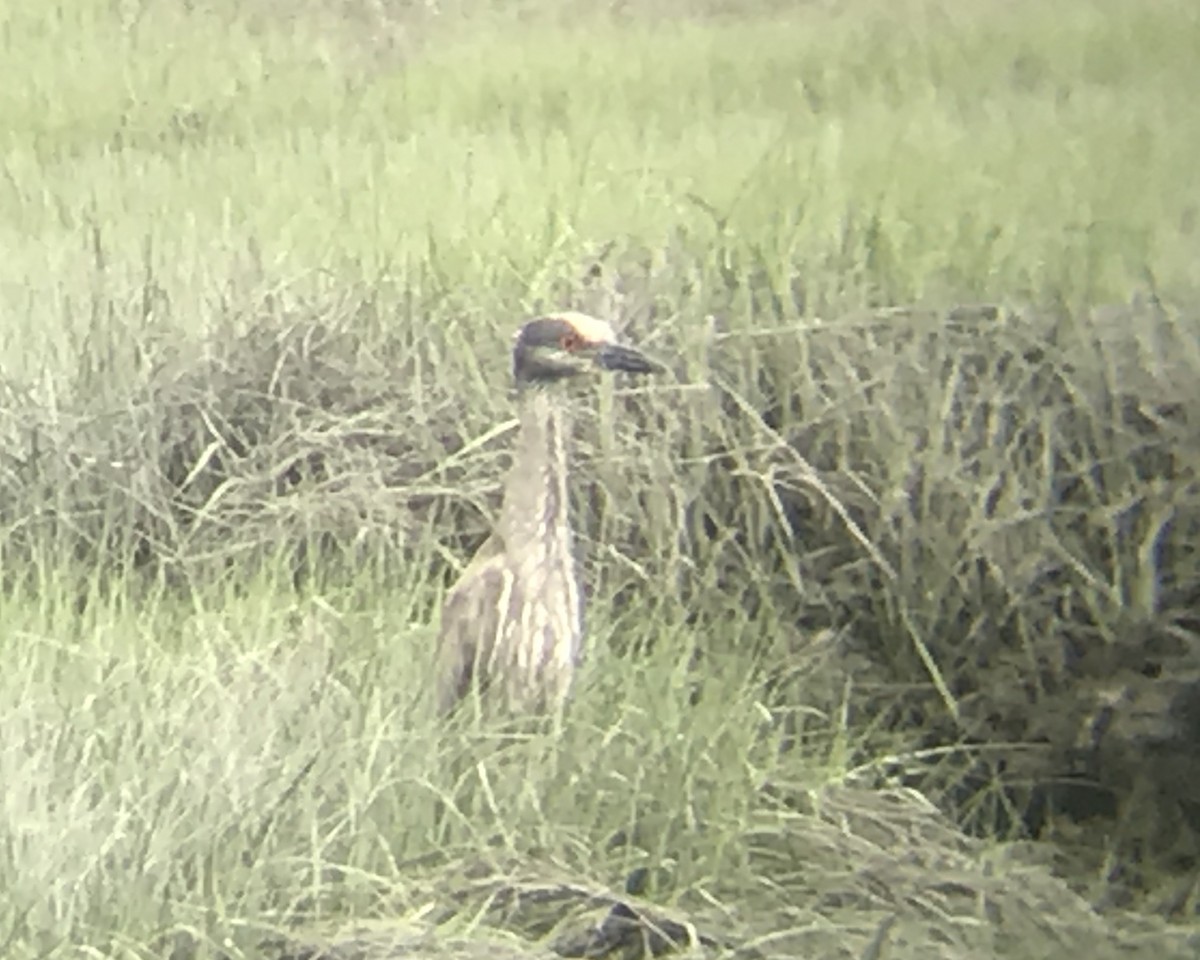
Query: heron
512, 624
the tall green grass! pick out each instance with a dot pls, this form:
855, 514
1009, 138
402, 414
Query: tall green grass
903, 150
191, 770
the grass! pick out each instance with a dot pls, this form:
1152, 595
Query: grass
262, 264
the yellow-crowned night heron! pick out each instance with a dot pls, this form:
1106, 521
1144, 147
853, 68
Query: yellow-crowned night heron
513, 623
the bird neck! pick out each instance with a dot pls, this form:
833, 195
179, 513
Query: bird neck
536, 501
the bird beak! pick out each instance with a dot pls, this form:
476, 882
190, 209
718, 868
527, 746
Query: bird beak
614, 357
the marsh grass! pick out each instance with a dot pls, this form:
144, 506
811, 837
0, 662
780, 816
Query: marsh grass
261, 267
214, 781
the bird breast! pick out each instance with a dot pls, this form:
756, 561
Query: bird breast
548, 613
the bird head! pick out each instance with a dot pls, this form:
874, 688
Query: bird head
562, 345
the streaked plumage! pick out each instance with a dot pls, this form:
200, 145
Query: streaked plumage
513, 623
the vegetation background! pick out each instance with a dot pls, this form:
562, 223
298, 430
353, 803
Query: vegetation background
894, 581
